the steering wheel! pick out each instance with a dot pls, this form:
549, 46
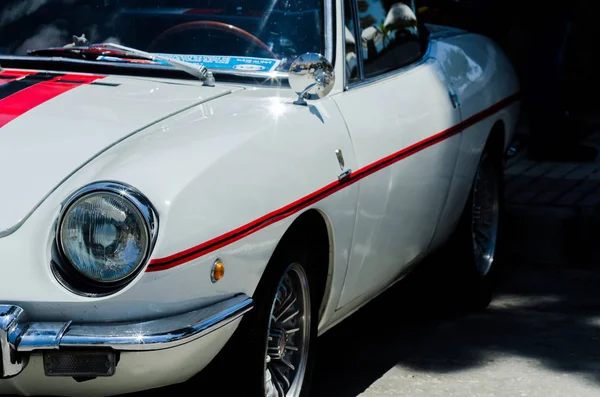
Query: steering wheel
213, 25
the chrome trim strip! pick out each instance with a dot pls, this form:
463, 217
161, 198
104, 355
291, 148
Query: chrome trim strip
329, 33
359, 50
344, 55
10, 364
38, 336
150, 335
157, 334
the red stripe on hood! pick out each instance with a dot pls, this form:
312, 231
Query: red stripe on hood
23, 101
6, 76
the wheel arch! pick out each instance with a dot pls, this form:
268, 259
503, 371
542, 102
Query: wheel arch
314, 225
496, 141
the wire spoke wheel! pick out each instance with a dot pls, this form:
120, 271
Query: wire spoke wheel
485, 216
288, 336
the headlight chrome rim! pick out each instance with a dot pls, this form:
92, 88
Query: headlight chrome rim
138, 202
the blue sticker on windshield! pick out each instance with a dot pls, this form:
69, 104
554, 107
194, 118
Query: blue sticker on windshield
246, 64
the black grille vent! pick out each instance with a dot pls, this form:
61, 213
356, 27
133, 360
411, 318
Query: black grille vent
79, 363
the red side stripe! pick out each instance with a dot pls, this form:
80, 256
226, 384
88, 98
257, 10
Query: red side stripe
182, 257
23, 101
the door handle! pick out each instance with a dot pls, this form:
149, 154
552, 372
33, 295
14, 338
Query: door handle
344, 175
453, 98
340, 158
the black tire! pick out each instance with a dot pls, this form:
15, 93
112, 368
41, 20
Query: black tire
472, 288
248, 347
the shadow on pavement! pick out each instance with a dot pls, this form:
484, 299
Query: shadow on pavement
547, 314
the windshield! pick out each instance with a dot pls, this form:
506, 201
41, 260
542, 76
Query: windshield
242, 35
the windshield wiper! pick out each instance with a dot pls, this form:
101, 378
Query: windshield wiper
199, 71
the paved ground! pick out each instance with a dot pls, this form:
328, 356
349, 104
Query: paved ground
540, 337
554, 209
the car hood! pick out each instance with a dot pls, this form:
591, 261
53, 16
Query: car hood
52, 124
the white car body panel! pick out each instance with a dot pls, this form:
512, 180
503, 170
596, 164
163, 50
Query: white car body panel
488, 92
230, 168
399, 205
212, 137
76, 126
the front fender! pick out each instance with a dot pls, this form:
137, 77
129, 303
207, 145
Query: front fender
227, 178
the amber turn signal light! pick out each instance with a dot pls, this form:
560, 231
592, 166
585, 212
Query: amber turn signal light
218, 271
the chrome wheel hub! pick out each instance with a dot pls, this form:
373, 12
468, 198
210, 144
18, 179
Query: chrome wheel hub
276, 344
485, 216
288, 336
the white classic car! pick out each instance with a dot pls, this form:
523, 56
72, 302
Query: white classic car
185, 176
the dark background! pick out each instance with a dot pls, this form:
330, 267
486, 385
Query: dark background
511, 23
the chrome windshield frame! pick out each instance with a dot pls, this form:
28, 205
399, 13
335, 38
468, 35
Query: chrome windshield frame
329, 30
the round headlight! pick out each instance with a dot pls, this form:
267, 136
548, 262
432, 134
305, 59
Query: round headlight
105, 233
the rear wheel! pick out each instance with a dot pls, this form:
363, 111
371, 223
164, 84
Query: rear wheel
485, 215
476, 241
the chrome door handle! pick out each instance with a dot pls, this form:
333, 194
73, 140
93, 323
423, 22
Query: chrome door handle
344, 175
340, 158
453, 97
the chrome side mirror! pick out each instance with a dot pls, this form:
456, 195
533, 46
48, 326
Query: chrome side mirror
311, 75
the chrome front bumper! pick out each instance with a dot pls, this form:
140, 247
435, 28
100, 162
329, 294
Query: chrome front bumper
17, 339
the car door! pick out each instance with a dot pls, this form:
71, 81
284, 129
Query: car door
400, 117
